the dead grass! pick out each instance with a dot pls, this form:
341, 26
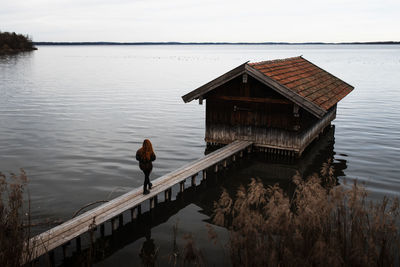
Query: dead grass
322, 224
13, 219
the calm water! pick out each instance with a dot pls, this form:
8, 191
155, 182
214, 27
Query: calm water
73, 117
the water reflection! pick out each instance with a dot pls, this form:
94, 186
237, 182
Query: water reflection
148, 253
269, 169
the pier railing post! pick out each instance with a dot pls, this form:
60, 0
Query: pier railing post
204, 174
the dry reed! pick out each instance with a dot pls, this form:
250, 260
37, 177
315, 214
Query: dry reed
322, 224
14, 234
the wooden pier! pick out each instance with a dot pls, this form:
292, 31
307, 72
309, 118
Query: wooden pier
112, 211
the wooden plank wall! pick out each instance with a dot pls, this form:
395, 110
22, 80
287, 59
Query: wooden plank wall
267, 136
310, 134
252, 111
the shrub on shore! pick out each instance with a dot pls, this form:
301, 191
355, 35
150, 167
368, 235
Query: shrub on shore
13, 233
317, 226
13, 43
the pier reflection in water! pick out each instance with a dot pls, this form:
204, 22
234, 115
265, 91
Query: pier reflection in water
191, 212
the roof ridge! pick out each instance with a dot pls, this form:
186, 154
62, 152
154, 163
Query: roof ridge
274, 60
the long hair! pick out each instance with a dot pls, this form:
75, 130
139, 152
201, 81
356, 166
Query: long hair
147, 150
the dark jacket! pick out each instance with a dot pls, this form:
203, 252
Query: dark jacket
145, 165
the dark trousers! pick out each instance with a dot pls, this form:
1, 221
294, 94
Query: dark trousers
146, 180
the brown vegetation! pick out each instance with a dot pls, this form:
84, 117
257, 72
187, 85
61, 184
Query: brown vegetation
13, 43
319, 225
13, 233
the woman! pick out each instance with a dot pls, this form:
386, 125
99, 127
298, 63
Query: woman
145, 155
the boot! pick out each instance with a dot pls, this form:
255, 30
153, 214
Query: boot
150, 185
145, 191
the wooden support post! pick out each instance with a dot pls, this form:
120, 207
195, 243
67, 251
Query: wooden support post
194, 179
92, 237
216, 167
241, 154
153, 202
234, 158
152, 205
120, 220
167, 196
78, 243
139, 210
64, 250
135, 212
114, 224
225, 164
51, 258
204, 174
133, 215
249, 150
102, 230
182, 186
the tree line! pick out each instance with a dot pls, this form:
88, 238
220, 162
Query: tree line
13, 43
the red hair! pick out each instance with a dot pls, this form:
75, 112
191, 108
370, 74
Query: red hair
147, 150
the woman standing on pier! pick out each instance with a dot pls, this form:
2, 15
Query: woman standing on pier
145, 155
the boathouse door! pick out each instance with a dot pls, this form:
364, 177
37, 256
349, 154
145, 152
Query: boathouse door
241, 125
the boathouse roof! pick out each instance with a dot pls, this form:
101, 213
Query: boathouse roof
296, 78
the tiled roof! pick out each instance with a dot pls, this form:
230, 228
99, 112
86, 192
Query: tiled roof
305, 79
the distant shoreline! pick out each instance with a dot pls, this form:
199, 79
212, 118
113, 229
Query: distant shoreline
215, 43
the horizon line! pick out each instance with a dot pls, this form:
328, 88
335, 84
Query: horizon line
214, 43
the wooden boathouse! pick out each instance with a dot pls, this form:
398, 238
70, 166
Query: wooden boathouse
282, 104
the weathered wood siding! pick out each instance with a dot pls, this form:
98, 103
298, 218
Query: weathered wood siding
269, 137
308, 135
246, 107
251, 111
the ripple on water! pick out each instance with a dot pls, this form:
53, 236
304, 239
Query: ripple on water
74, 117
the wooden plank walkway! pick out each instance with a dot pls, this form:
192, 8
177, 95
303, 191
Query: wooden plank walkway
73, 228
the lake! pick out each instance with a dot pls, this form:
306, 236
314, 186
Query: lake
73, 117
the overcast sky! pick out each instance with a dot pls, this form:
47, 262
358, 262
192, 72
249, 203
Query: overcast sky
203, 20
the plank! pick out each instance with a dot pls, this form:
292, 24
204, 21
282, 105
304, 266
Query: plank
65, 232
